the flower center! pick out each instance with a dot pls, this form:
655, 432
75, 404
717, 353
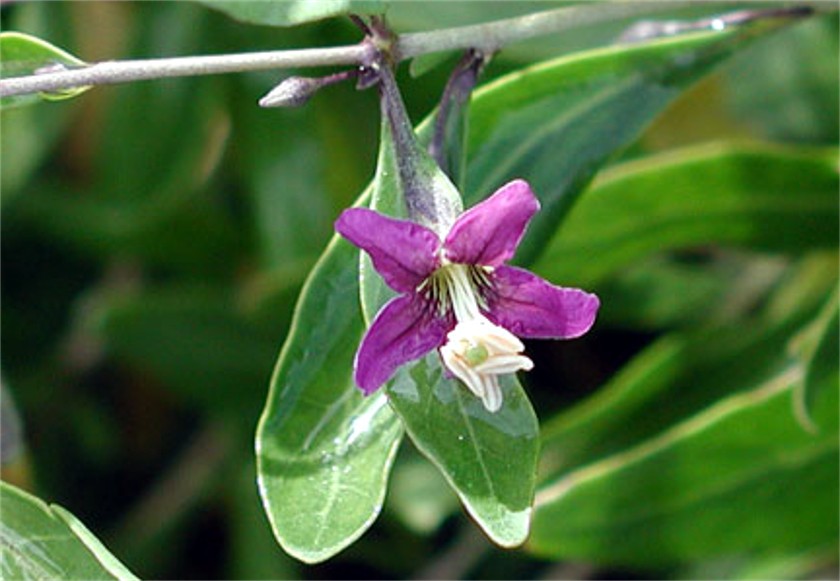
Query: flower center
458, 287
476, 351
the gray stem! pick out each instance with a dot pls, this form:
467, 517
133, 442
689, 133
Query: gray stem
487, 37
111, 72
491, 36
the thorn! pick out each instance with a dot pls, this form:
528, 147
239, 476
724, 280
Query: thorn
296, 91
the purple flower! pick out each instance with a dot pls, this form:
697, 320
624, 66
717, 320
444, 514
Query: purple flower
459, 296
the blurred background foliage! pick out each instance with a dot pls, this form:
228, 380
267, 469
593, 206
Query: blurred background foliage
155, 237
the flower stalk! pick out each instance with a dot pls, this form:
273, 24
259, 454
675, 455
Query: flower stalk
430, 199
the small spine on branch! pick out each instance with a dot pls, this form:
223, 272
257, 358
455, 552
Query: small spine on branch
296, 91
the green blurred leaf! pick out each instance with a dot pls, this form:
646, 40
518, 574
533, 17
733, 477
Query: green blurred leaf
672, 291
422, 64
29, 134
148, 197
761, 197
741, 477
188, 229
324, 450
811, 563
682, 373
416, 15
40, 541
23, 55
418, 494
557, 122
254, 553
162, 138
805, 286
286, 178
27, 137
291, 12
787, 86
684, 447
672, 379
192, 339
817, 347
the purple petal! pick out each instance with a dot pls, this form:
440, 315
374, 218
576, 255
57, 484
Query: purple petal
403, 253
489, 232
405, 329
530, 307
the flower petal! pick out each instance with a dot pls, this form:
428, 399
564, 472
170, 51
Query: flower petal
531, 307
403, 253
489, 232
405, 329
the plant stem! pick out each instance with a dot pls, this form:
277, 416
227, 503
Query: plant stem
418, 186
491, 36
487, 37
111, 72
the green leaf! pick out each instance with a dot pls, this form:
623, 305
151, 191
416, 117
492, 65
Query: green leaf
682, 373
675, 377
167, 216
253, 552
422, 64
192, 339
787, 86
488, 458
734, 194
665, 292
318, 432
817, 347
292, 12
324, 451
556, 123
637, 448
40, 541
287, 180
739, 478
23, 55
418, 495
29, 134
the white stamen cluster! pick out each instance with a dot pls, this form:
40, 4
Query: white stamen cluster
476, 351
